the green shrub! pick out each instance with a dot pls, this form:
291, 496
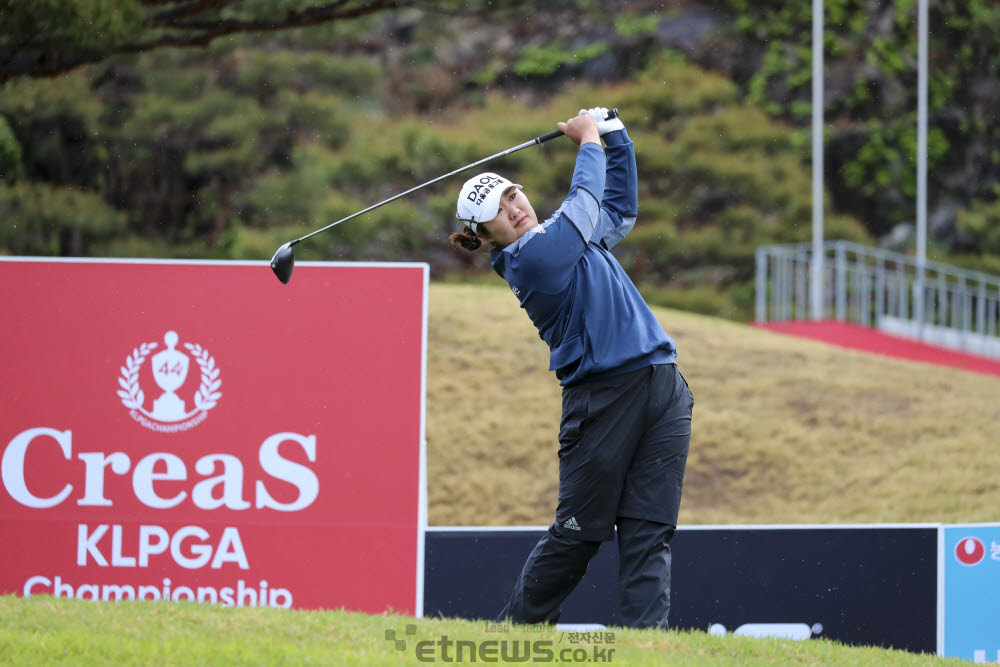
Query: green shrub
543, 61
39, 219
669, 86
10, 153
260, 70
631, 25
981, 224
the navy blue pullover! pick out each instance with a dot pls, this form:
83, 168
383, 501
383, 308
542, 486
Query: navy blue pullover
576, 293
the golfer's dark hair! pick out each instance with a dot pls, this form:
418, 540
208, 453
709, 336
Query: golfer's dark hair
467, 239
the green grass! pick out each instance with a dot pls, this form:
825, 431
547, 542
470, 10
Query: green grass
44, 631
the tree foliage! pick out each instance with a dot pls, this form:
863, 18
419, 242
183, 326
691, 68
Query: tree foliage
49, 37
870, 62
228, 150
40, 219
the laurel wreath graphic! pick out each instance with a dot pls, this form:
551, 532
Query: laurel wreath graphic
208, 393
132, 396
130, 393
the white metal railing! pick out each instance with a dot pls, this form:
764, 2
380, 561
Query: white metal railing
943, 305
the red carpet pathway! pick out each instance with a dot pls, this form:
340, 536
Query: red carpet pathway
857, 337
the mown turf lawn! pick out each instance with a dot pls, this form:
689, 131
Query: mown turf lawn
45, 631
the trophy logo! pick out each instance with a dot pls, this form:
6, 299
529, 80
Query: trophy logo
170, 412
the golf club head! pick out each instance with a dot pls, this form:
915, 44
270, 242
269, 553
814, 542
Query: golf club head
283, 262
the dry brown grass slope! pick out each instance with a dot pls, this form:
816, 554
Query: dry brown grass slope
785, 430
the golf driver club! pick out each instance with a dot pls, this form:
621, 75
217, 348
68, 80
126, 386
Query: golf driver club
284, 258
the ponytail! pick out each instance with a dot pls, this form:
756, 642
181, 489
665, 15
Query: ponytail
467, 239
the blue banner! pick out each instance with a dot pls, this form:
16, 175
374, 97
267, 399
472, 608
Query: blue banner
971, 563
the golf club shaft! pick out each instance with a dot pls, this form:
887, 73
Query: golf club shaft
537, 140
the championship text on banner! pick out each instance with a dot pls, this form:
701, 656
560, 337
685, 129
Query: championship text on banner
198, 431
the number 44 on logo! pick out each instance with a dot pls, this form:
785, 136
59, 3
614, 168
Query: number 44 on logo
170, 368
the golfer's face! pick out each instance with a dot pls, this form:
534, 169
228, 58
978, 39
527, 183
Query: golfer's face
513, 220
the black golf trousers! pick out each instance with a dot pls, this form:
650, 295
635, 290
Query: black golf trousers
623, 449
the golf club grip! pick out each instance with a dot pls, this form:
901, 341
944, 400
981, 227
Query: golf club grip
558, 133
545, 137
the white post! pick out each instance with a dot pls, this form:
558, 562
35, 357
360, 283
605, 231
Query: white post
918, 306
816, 282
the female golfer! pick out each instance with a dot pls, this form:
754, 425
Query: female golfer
626, 410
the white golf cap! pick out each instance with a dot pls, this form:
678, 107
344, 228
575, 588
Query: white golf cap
479, 200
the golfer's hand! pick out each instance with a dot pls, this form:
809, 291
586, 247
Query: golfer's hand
604, 124
581, 129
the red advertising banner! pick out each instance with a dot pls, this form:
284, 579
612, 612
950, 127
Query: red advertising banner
199, 431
